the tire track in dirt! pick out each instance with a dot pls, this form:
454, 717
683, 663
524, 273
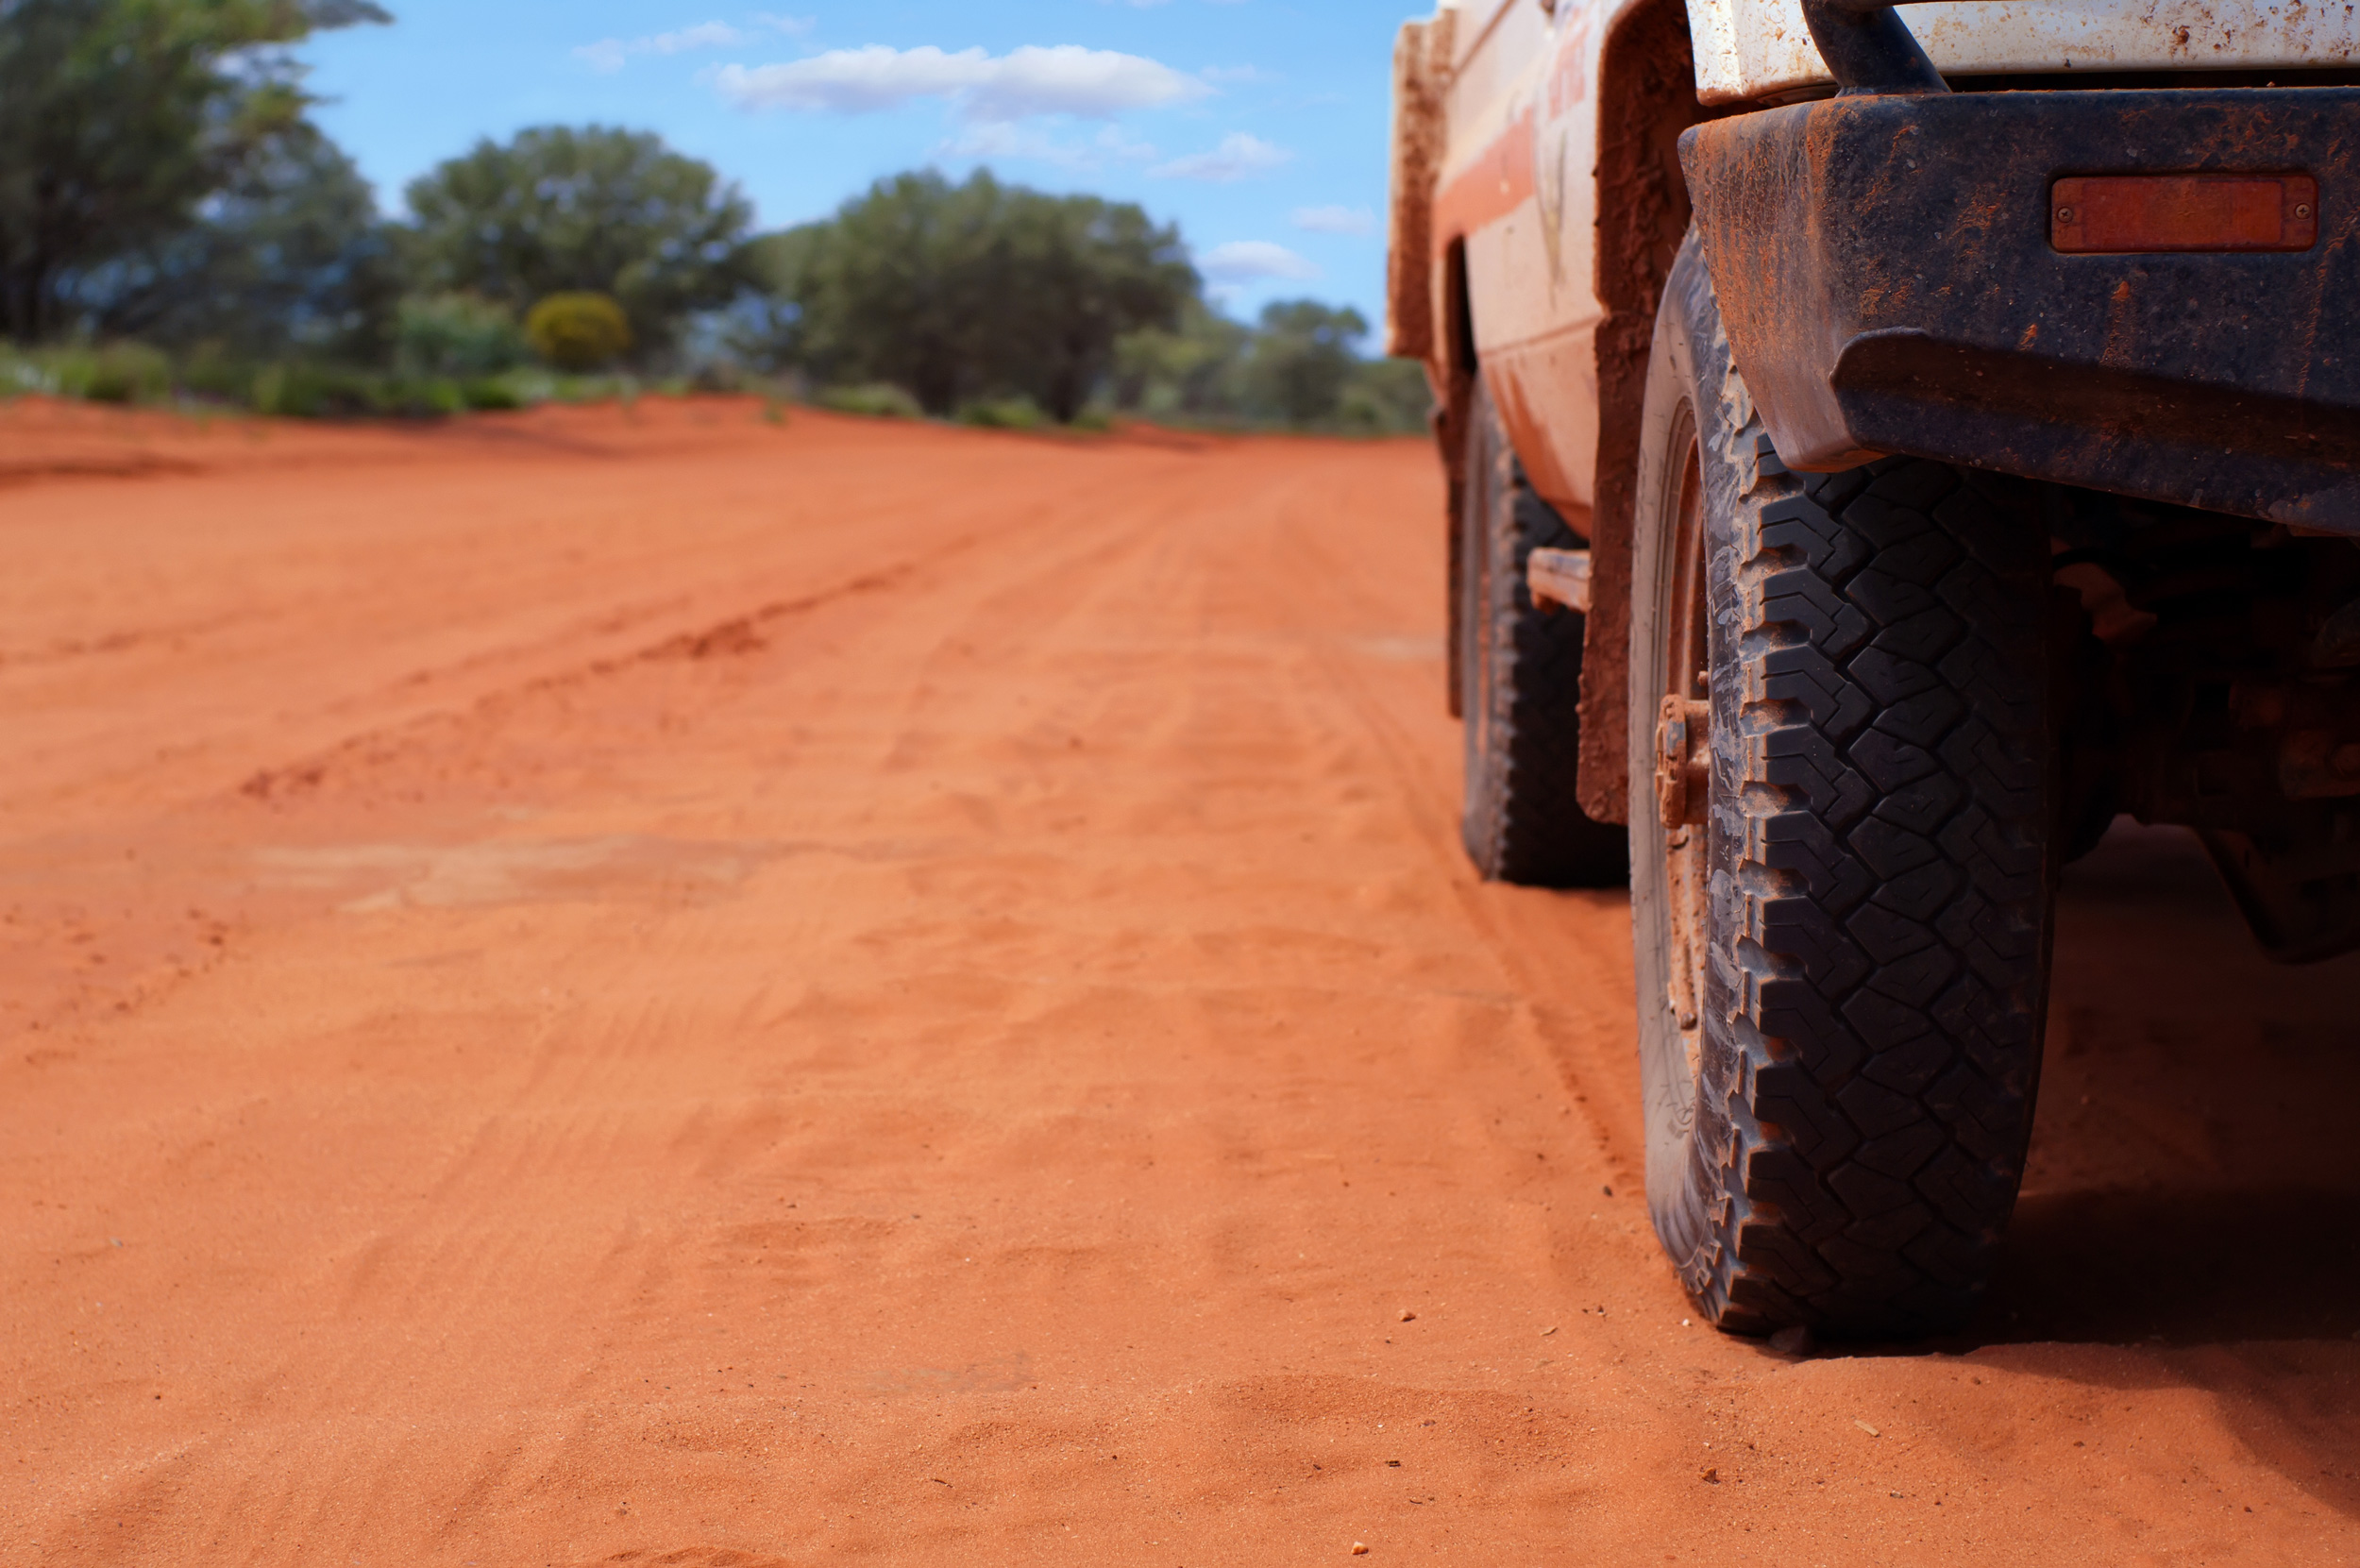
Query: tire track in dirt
978, 1069
1562, 956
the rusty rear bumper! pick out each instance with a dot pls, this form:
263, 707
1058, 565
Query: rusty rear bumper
1890, 273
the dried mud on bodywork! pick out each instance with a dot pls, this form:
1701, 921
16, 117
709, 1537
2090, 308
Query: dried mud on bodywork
1889, 274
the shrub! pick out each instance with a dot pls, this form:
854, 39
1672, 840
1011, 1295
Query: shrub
417, 396
210, 373
20, 374
118, 372
268, 394
1385, 397
456, 334
493, 393
301, 391
578, 332
1002, 413
878, 400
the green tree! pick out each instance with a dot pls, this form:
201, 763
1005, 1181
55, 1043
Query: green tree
1298, 367
1192, 370
1080, 272
560, 211
118, 118
289, 255
457, 334
764, 326
1303, 357
960, 291
896, 288
1386, 397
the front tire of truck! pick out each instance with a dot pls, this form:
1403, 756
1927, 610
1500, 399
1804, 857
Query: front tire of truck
1519, 667
1840, 800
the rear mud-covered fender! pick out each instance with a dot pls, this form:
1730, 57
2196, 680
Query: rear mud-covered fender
1915, 274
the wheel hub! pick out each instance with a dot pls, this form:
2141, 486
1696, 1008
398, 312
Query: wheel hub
1683, 760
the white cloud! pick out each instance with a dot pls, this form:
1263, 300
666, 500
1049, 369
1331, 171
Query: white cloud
1063, 79
1237, 155
1001, 139
609, 53
1250, 261
1335, 220
1117, 142
704, 35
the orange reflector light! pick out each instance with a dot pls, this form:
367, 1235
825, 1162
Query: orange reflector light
2152, 212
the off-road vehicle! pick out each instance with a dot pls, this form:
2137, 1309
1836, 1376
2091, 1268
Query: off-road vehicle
1877, 458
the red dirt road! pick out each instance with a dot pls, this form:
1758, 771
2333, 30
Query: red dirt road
601, 987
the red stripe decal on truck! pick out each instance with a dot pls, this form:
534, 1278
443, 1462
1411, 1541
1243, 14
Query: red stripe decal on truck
1495, 184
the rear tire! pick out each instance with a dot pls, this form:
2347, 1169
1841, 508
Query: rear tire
1520, 683
1843, 946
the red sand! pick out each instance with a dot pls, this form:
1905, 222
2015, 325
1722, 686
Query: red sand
592, 988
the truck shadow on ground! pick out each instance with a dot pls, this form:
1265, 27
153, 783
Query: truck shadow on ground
2179, 1269
2188, 1217
2192, 1177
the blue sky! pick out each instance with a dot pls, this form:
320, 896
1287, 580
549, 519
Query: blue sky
1258, 126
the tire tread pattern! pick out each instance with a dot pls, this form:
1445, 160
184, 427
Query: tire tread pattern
1883, 787
1522, 822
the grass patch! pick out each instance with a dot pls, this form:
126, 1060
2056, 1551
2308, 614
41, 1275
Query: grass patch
1003, 413
876, 400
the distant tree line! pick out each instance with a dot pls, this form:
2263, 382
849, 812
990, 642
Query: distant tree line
162, 185
979, 289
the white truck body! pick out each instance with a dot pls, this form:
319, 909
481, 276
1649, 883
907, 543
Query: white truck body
1511, 168
1758, 49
